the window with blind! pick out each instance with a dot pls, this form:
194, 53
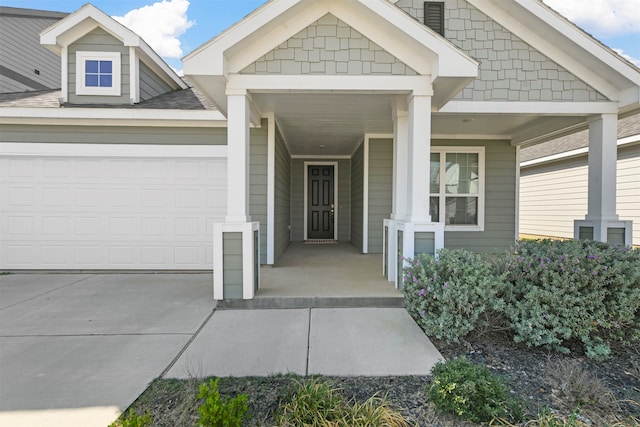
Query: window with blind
457, 187
434, 16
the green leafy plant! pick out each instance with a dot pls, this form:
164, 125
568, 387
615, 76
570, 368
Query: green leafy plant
452, 295
315, 403
573, 290
131, 419
471, 392
219, 412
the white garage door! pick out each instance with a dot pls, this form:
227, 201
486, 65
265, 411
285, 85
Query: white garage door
120, 207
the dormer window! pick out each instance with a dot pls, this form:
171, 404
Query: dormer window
98, 73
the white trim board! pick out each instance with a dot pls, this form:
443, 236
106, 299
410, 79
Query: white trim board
111, 150
577, 152
271, 187
335, 195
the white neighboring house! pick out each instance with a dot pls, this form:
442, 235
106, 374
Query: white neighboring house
392, 125
554, 176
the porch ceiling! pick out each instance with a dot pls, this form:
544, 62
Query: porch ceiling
334, 124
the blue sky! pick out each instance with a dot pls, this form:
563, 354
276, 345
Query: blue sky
176, 27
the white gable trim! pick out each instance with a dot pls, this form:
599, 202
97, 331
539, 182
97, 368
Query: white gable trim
279, 20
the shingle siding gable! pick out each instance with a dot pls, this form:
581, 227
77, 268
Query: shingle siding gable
510, 69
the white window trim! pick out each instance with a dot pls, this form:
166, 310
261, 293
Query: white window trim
114, 90
481, 185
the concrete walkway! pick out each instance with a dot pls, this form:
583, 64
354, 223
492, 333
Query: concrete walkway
75, 350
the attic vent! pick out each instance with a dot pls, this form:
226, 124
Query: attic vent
434, 16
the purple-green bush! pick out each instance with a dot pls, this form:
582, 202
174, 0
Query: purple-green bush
551, 293
452, 295
573, 290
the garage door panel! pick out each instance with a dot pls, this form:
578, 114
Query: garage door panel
110, 213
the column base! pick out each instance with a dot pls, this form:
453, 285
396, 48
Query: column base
236, 260
404, 240
604, 230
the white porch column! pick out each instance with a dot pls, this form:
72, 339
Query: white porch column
400, 158
238, 157
410, 231
601, 222
236, 260
419, 155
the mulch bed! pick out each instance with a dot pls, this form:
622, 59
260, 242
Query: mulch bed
536, 376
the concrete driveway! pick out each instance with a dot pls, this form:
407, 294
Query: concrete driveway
76, 350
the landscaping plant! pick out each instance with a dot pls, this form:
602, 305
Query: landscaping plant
315, 403
471, 392
573, 290
131, 419
454, 294
219, 412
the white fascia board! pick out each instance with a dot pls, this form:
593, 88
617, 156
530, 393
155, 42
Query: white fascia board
575, 153
547, 45
133, 117
538, 108
73, 25
371, 83
210, 57
112, 150
582, 39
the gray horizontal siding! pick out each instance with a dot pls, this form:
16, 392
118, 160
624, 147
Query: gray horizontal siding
553, 195
258, 184
500, 198
380, 190
282, 196
232, 261
150, 84
113, 135
99, 40
21, 52
357, 175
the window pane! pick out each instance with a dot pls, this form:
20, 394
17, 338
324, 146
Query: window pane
462, 173
105, 67
461, 211
435, 173
91, 67
434, 208
105, 81
91, 80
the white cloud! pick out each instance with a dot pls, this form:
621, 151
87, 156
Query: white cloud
602, 16
160, 25
634, 61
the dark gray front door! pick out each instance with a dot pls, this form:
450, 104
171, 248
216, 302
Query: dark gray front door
321, 210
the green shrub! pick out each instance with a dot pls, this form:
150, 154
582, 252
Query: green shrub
133, 420
315, 403
218, 412
454, 294
573, 290
471, 392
